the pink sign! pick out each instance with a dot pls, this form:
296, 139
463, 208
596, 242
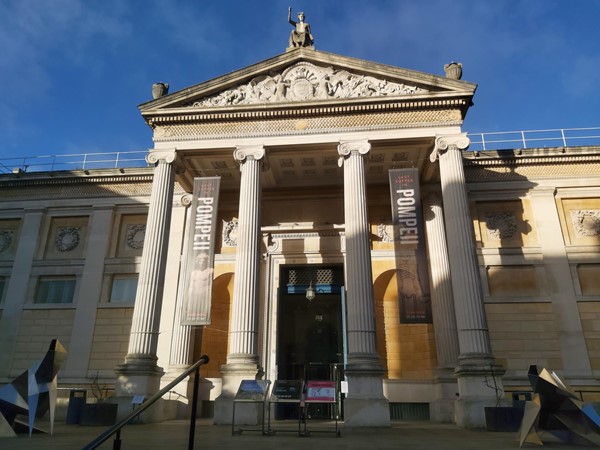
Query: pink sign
320, 391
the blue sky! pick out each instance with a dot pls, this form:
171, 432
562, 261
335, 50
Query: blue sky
74, 71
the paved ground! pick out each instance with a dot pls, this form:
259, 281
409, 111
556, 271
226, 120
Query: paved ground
174, 435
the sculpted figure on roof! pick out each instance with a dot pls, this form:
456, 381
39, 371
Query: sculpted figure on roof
300, 35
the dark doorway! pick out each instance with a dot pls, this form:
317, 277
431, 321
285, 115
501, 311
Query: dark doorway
310, 338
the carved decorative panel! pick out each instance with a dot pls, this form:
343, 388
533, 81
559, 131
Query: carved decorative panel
304, 81
501, 225
586, 223
67, 238
135, 235
230, 233
6, 237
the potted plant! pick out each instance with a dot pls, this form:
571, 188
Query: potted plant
501, 417
99, 412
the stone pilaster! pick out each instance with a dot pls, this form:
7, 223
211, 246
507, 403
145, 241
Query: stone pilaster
242, 360
560, 289
16, 291
476, 364
140, 374
365, 404
91, 283
444, 318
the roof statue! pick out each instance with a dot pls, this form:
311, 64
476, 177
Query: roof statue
300, 35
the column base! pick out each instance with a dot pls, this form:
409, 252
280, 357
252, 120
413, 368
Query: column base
245, 414
446, 391
137, 377
365, 404
479, 385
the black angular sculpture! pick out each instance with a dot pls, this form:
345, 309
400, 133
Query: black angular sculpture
33, 393
555, 409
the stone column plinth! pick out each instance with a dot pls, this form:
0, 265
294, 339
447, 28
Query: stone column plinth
444, 318
476, 364
365, 404
140, 374
242, 360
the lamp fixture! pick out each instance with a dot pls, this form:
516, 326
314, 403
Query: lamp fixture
310, 292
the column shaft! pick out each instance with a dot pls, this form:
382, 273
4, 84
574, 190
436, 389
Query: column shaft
466, 284
244, 317
442, 302
148, 301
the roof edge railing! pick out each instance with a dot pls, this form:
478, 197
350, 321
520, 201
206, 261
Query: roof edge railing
558, 137
116, 428
500, 140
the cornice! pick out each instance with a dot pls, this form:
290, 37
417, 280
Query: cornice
523, 157
312, 109
75, 180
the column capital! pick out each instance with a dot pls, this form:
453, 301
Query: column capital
154, 156
256, 152
186, 199
362, 147
444, 143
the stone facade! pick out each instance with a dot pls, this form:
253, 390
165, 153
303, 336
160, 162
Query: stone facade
308, 188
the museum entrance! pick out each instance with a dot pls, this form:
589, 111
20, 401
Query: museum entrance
311, 328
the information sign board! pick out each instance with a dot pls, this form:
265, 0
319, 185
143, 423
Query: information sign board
320, 391
252, 391
286, 391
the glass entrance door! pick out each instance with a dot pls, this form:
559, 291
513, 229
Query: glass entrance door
310, 338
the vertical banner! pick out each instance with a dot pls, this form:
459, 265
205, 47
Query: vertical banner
409, 233
198, 280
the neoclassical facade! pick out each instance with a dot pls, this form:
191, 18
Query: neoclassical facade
303, 145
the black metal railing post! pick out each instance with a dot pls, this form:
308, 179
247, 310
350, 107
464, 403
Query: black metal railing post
116, 429
194, 409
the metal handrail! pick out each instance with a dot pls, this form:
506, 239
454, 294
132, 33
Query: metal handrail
117, 160
116, 429
526, 139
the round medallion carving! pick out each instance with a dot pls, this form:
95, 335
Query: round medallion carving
5, 239
135, 236
67, 238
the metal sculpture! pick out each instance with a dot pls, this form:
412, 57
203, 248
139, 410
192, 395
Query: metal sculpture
33, 393
556, 409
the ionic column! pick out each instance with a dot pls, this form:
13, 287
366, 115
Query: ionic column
476, 363
444, 318
181, 341
442, 302
365, 404
242, 360
140, 375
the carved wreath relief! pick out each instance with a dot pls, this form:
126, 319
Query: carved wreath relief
5, 239
230, 233
135, 235
304, 81
586, 223
501, 225
67, 238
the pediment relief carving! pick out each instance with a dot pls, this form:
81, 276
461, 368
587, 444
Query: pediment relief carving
304, 81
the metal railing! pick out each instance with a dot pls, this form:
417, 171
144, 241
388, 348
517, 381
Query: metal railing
74, 161
116, 429
564, 137
560, 137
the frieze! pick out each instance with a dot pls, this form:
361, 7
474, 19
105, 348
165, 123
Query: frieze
5, 239
586, 223
135, 235
304, 81
67, 238
279, 125
502, 225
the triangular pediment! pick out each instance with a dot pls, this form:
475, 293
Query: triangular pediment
306, 76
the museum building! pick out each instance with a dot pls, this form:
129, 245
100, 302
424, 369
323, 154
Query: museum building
343, 230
